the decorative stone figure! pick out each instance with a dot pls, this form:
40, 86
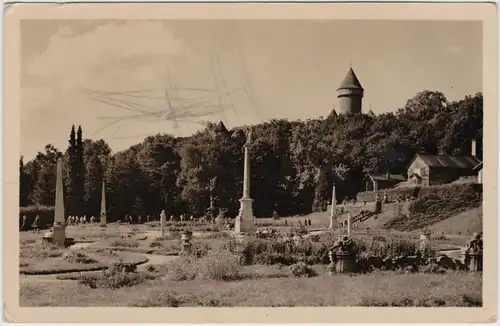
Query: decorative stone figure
186, 238
342, 256
474, 253
245, 221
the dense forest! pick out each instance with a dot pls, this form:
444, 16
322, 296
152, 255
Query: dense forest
293, 163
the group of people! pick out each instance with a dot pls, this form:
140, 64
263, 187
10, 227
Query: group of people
36, 225
76, 220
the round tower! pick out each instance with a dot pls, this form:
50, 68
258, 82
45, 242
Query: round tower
350, 94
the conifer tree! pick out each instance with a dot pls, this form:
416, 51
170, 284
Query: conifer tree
70, 173
79, 174
24, 186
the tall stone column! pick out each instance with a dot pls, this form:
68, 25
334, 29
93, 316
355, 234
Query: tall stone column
333, 208
163, 222
245, 220
59, 227
102, 221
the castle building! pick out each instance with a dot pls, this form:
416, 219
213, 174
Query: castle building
350, 94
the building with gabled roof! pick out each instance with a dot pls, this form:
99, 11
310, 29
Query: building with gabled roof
428, 169
375, 182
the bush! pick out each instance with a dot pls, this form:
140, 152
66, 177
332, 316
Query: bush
124, 243
220, 266
301, 269
390, 248
114, 278
183, 269
79, 257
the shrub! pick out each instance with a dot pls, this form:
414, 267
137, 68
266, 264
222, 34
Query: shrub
79, 257
183, 269
113, 279
301, 269
124, 243
220, 266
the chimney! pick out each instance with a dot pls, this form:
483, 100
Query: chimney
388, 175
473, 148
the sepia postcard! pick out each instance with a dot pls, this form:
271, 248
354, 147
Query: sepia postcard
250, 162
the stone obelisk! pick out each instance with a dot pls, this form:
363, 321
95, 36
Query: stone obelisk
245, 221
59, 227
102, 221
333, 207
163, 223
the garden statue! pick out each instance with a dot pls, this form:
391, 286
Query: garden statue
186, 245
474, 253
342, 256
275, 215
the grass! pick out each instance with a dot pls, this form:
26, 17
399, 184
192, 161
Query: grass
376, 289
217, 277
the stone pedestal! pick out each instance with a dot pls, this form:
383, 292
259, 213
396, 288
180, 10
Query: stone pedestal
57, 236
346, 262
186, 245
245, 221
474, 262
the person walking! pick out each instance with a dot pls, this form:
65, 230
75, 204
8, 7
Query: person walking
36, 224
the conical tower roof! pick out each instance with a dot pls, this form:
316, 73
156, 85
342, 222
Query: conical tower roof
350, 80
332, 114
220, 127
371, 113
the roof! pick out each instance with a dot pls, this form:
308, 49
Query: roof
448, 161
220, 127
371, 113
332, 114
478, 167
350, 81
383, 177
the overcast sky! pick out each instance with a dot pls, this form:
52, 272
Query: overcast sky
260, 69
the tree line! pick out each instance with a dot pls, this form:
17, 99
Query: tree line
293, 163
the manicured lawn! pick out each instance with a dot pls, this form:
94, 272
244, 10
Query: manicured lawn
268, 287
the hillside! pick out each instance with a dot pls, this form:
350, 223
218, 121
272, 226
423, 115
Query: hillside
466, 222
